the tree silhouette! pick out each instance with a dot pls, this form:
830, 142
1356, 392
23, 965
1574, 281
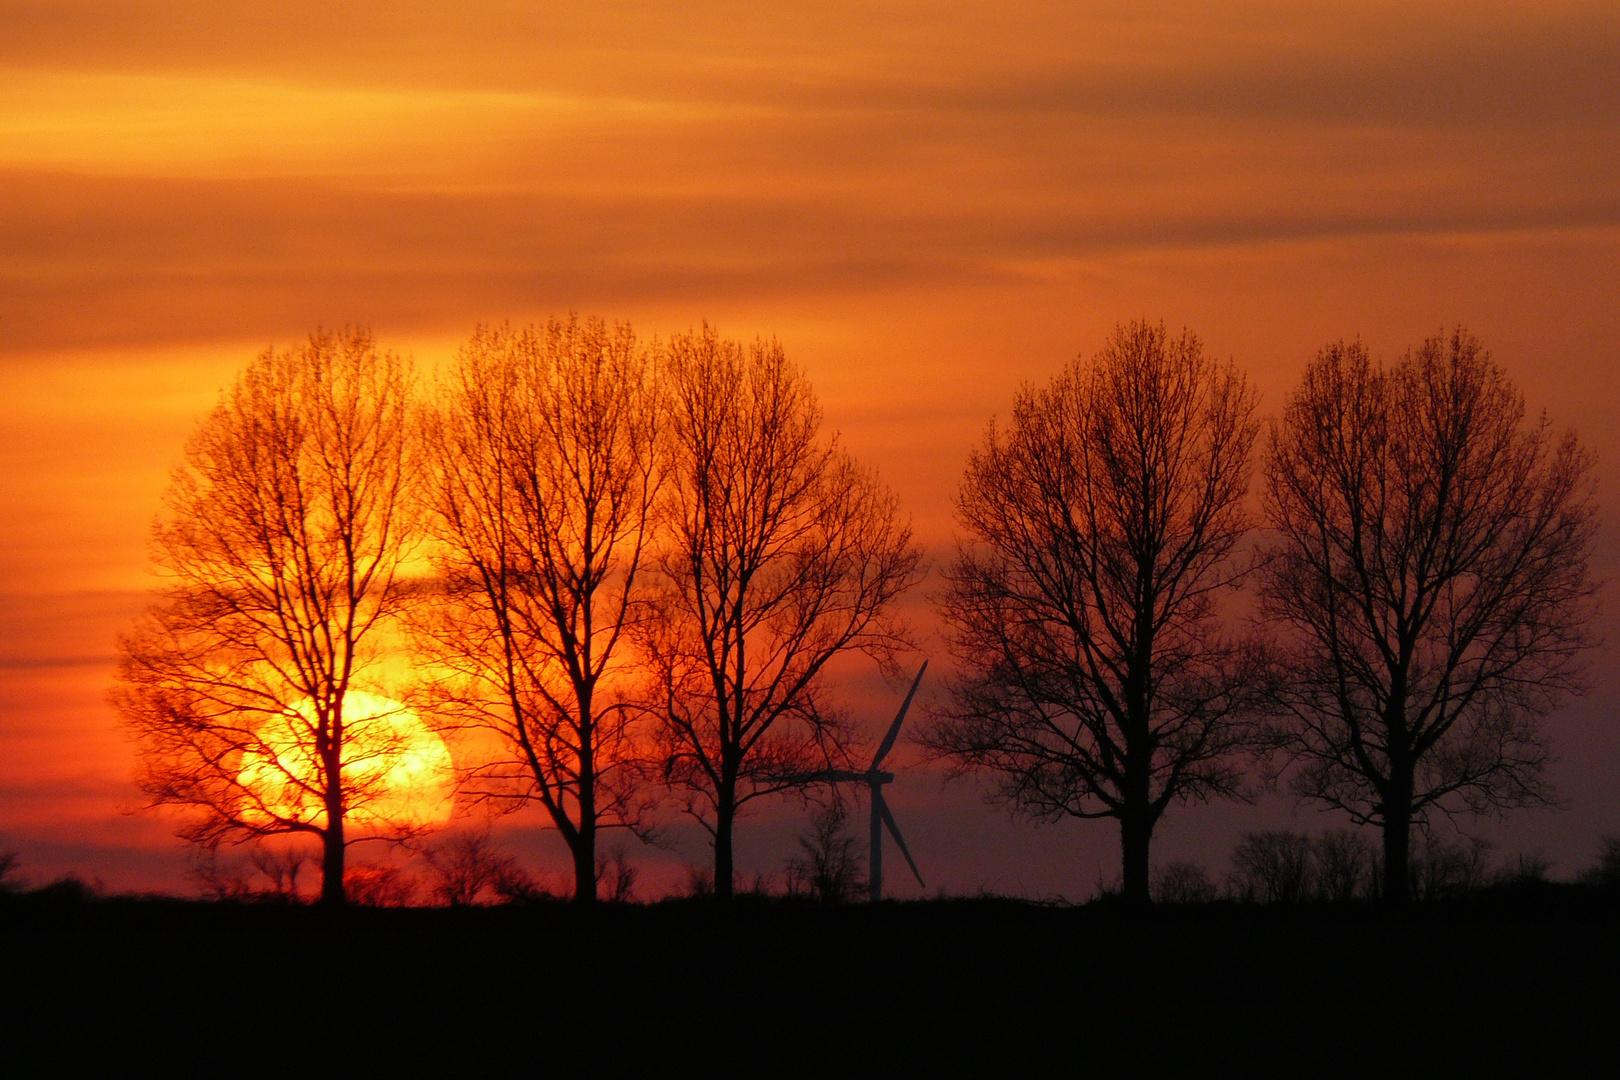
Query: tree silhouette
1429, 571
779, 553
1100, 525
1274, 867
829, 869
547, 469
281, 538
466, 866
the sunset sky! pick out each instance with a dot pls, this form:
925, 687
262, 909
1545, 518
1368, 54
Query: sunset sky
928, 205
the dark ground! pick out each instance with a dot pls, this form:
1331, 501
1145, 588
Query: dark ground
1507, 984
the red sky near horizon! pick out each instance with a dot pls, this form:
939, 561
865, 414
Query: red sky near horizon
928, 207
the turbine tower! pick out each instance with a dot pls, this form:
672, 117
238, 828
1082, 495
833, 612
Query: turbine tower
874, 779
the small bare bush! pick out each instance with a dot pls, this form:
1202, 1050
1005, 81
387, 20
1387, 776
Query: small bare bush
281, 870
217, 878
378, 886
1440, 870
699, 881
1605, 875
1183, 883
830, 869
761, 884
465, 868
516, 885
615, 876
1344, 865
1272, 867
1526, 869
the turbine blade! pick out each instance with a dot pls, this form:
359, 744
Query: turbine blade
894, 728
882, 805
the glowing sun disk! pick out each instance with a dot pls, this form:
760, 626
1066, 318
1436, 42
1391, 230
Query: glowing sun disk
396, 770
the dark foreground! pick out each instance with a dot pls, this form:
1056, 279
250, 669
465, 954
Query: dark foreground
1500, 986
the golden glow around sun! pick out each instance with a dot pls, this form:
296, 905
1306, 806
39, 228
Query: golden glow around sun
396, 770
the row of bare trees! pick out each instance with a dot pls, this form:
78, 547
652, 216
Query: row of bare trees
618, 571
1336, 866
599, 558
1422, 590
595, 498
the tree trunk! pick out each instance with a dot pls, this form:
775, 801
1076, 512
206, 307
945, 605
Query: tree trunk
725, 813
332, 894
585, 841
585, 866
1136, 822
1135, 834
1398, 844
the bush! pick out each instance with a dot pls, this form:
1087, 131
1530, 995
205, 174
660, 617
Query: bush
699, 881
219, 879
465, 868
1344, 861
1183, 883
282, 870
1531, 869
1273, 867
830, 870
1444, 871
1606, 874
70, 889
378, 886
615, 876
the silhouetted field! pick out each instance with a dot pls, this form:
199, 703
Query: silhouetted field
1506, 982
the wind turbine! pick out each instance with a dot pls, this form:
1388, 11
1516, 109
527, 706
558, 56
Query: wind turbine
874, 779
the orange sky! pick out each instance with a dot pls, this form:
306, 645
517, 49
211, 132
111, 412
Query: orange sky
927, 207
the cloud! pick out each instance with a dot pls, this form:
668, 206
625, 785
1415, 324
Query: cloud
184, 172
1312, 62
44, 632
51, 663
97, 261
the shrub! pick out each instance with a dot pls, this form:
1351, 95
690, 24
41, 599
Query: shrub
1444, 871
1606, 874
1273, 867
830, 870
378, 886
1183, 883
1344, 865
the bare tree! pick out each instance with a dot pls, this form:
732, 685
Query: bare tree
466, 866
617, 873
1183, 883
281, 869
1604, 874
1273, 867
779, 554
380, 885
226, 879
1344, 864
1440, 870
547, 471
1101, 522
281, 538
1429, 574
830, 869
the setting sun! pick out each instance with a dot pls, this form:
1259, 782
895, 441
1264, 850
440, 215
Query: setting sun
401, 766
